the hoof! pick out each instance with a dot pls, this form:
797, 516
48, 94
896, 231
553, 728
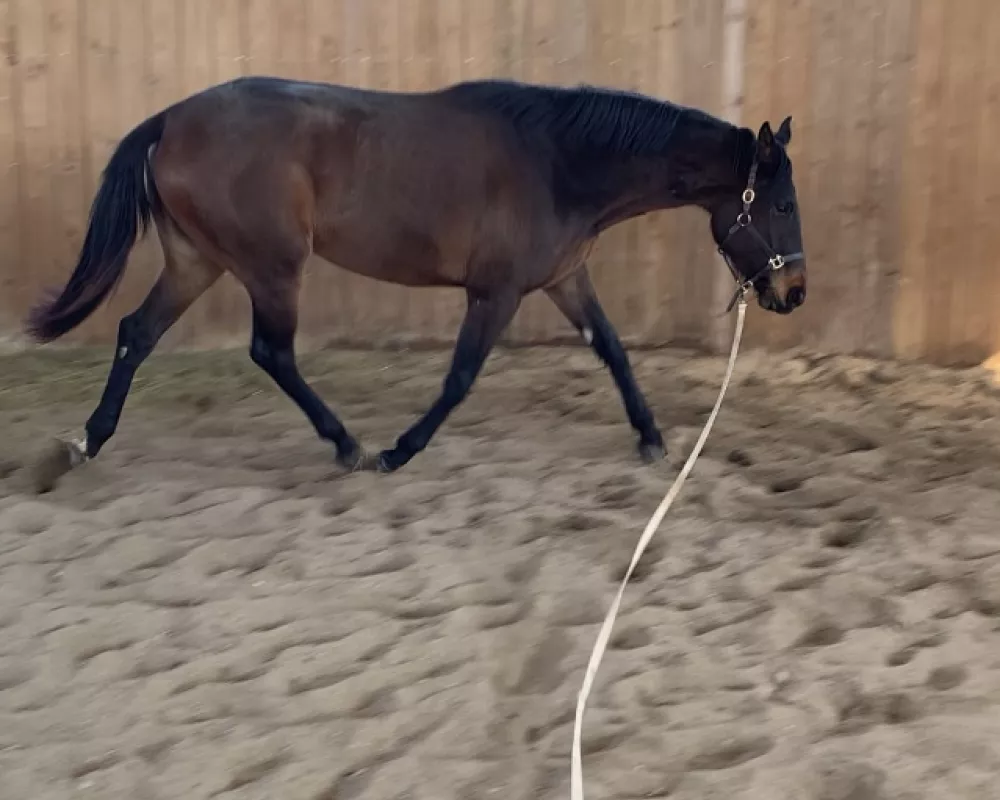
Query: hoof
58, 459
363, 461
383, 463
353, 460
651, 452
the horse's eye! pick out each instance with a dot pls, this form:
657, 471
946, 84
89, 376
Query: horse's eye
786, 208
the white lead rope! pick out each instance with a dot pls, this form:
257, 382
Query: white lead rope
576, 777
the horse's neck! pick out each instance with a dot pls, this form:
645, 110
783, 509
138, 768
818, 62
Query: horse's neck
699, 166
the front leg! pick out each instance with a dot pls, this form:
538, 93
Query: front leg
485, 319
576, 298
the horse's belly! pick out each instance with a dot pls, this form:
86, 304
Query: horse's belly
404, 258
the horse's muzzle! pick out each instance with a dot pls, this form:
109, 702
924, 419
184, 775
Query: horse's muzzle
770, 300
796, 296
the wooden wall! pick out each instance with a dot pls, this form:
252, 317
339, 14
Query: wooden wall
896, 105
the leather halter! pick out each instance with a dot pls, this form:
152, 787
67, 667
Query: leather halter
744, 222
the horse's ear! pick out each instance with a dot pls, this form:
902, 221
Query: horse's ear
765, 142
784, 134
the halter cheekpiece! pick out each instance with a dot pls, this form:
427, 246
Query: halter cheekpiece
744, 221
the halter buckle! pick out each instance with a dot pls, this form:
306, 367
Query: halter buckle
740, 295
777, 261
743, 219
748, 196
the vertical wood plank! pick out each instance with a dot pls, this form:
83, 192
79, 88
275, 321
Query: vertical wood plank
14, 299
480, 38
166, 43
101, 74
132, 48
261, 39
289, 32
927, 89
856, 74
37, 257
821, 174
229, 53
893, 66
951, 298
983, 322
65, 116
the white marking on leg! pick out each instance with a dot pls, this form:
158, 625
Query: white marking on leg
122, 351
78, 451
588, 335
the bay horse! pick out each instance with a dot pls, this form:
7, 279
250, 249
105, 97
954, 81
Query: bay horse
495, 186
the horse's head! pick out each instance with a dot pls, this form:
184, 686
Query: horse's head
759, 232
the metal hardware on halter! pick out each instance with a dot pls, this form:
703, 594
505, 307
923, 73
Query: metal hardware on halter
775, 261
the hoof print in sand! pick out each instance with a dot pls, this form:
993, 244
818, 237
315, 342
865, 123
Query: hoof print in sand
739, 458
385, 563
844, 534
8, 467
899, 708
631, 638
618, 493
805, 629
946, 678
901, 657
57, 459
986, 593
578, 522
845, 780
726, 751
536, 669
857, 711
492, 617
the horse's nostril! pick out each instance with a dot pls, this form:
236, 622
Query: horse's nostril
796, 297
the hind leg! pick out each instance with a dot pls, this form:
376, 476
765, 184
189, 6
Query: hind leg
275, 319
577, 300
185, 277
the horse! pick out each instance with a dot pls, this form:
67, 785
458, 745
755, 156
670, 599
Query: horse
497, 187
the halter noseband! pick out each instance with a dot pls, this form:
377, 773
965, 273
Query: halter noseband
775, 261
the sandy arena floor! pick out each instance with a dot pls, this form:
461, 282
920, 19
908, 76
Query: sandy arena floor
212, 610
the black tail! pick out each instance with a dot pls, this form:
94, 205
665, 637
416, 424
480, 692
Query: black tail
121, 212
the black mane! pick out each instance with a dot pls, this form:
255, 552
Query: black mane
583, 137
582, 120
